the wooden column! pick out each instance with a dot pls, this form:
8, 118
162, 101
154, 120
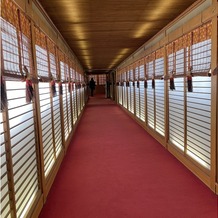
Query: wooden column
214, 101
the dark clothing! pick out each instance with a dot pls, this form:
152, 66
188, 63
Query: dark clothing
92, 86
108, 88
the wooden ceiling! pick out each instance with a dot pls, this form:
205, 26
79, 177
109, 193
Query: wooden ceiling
103, 33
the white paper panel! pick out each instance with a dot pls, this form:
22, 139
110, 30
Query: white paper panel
78, 102
23, 146
4, 196
131, 97
137, 106
46, 124
176, 114
150, 104
125, 95
142, 100
198, 121
159, 109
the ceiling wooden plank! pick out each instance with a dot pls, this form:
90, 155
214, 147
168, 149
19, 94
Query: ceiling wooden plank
100, 32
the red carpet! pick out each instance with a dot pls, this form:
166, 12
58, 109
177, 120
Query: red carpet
114, 169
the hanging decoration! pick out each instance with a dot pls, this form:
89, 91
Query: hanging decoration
29, 86
153, 83
3, 94
189, 80
175, 46
137, 84
53, 88
69, 86
145, 84
172, 85
127, 83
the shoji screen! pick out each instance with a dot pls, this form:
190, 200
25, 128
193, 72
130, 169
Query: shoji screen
21, 138
198, 121
71, 90
175, 62
74, 103
137, 100
55, 102
142, 90
66, 98
23, 146
150, 89
124, 88
78, 94
102, 79
57, 123
46, 126
5, 209
191, 54
128, 90
159, 92
131, 90
80, 91
120, 89
16, 41
199, 100
45, 101
83, 90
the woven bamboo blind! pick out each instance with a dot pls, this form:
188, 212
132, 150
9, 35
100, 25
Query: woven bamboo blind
16, 41
41, 54
159, 62
149, 60
40, 38
136, 76
9, 12
52, 58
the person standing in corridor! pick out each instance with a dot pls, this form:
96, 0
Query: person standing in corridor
92, 86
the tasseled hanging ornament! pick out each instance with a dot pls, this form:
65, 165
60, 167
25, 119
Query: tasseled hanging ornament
60, 88
69, 87
29, 86
3, 95
189, 81
145, 84
53, 88
137, 84
153, 83
29, 90
172, 85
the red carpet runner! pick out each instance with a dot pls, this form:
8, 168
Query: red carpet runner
114, 169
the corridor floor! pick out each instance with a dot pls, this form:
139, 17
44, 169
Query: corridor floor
114, 169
